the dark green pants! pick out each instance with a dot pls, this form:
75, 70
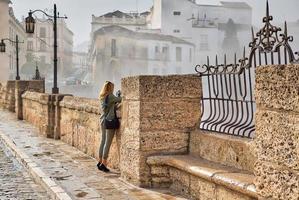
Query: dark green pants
107, 137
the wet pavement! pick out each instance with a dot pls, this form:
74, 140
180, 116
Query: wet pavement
71, 169
15, 181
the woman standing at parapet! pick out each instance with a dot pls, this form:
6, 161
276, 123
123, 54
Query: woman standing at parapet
109, 122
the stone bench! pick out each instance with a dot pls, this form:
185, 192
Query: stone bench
201, 179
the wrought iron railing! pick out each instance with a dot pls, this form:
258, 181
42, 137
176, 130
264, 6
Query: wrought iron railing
228, 104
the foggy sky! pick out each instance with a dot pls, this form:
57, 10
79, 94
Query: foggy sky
80, 11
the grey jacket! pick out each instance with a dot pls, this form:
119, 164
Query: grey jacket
109, 108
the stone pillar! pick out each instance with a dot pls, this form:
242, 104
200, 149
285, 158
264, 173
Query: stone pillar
277, 132
21, 87
57, 114
158, 114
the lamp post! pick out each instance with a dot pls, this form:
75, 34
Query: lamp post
30, 27
3, 49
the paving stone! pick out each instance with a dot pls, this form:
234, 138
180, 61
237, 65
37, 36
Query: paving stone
15, 181
71, 169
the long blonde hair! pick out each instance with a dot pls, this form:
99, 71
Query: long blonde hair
106, 90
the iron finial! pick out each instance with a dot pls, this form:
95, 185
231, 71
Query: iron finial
224, 59
208, 60
216, 60
285, 28
267, 9
244, 52
235, 59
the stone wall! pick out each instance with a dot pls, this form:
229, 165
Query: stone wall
7, 95
158, 114
277, 132
80, 127
21, 87
38, 110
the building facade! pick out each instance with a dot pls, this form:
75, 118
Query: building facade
132, 21
40, 45
206, 26
9, 28
118, 52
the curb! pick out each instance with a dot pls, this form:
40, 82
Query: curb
54, 190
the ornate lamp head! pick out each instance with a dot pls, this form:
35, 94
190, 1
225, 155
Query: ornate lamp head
30, 23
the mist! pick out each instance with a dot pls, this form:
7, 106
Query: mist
183, 38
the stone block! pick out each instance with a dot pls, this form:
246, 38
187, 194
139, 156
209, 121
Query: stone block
278, 87
130, 139
161, 182
202, 189
165, 115
160, 171
223, 193
277, 136
223, 149
131, 114
180, 181
164, 141
276, 182
161, 87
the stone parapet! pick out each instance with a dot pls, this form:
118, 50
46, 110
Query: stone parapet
38, 110
23, 86
7, 95
158, 113
80, 127
277, 132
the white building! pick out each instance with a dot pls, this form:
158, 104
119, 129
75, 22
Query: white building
40, 45
118, 52
9, 28
131, 21
293, 30
201, 24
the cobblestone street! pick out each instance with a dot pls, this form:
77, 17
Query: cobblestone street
15, 181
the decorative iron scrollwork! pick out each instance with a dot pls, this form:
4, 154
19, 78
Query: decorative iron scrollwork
228, 104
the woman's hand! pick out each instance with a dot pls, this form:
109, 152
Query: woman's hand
118, 93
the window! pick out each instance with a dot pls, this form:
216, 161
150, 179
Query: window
43, 46
190, 55
165, 53
157, 53
30, 45
204, 42
178, 54
113, 47
177, 13
176, 31
156, 49
42, 32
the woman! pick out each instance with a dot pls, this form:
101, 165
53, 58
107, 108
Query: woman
108, 103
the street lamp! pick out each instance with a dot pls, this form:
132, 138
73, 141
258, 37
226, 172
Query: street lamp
3, 49
30, 27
